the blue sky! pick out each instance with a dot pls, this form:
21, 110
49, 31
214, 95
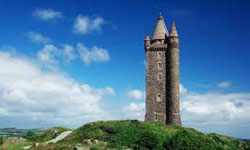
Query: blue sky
71, 62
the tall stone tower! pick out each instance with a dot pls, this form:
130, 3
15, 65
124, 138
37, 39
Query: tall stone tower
162, 79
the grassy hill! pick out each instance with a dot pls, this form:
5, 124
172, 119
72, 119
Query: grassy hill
133, 134
144, 135
16, 142
45, 136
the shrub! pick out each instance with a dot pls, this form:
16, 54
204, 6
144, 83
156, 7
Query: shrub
94, 148
147, 140
1, 140
109, 130
30, 135
189, 140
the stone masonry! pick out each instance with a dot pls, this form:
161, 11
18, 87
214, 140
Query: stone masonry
162, 79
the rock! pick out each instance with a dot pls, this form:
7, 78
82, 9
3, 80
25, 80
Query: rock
37, 144
87, 142
103, 144
41, 144
27, 147
80, 148
95, 141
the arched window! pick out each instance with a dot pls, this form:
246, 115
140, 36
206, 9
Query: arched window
159, 76
158, 97
159, 54
160, 66
156, 117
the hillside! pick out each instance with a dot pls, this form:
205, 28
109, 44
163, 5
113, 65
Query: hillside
16, 139
14, 132
144, 135
45, 136
131, 134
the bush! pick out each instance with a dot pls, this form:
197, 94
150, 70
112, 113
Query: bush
147, 140
190, 140
109, 130
1, 140
94, 148
30, 135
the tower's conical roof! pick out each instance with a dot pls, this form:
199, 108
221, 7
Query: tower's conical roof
160, 31
173, 30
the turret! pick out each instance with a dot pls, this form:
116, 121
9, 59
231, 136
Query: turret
173, 38
173, 114
147, 43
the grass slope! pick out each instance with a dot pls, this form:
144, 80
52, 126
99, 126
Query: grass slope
32, 136
46, 135
144, 135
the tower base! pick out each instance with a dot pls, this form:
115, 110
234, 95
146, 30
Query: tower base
174, 119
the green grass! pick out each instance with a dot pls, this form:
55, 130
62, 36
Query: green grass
156, 136
46, 135
19, 146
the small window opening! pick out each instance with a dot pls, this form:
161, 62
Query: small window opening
156, 117
159, 76
159, 97
159, 65
159, 54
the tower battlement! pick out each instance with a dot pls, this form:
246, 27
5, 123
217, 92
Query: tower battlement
162, 77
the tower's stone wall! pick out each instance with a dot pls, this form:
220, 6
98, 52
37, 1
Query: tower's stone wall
172, 84
156, 88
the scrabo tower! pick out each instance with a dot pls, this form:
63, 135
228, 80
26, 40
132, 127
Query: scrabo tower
162, 80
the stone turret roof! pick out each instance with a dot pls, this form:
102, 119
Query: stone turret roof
160, 31
173, 30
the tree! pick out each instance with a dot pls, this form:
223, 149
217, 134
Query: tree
1, 140
30, 136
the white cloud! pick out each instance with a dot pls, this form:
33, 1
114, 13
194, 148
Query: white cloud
183, 90
31, 96
48, 54
53, 54
84, 24
47, 14
224, 84
106, 91
225, 113
134, 111
69, 52
3, 112
94, 54
216, 108
38, 38
135, 94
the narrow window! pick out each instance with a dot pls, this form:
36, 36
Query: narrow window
159, 76
156, 117
159, 65
159, 54
158, 97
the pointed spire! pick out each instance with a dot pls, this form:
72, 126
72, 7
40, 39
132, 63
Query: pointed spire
160, 31
173, 30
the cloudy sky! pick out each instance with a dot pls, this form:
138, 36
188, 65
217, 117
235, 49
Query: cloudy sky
70, 62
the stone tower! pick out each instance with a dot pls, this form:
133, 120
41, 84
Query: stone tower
162, 79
